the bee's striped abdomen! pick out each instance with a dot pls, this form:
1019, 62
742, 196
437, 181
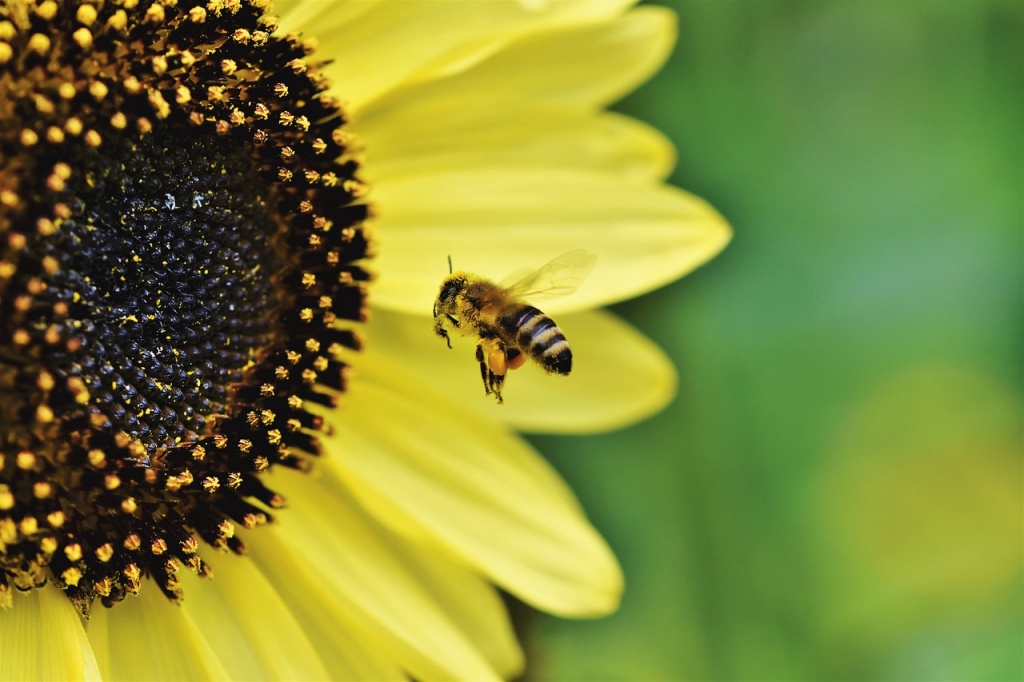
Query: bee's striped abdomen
536, 334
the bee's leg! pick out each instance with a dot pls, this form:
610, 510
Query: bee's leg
497, 381
484, 371
441, 331
492, 380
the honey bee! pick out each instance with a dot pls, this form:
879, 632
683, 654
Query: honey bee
507, 329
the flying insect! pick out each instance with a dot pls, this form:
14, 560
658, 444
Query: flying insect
508, 329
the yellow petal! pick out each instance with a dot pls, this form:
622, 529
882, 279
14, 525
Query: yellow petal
456, 134
495, 221
244, 619
383, 595
475, 488
619, 377
313, 18
41, 638
578, 66
345, 649
472, 605
386, 44
148, 637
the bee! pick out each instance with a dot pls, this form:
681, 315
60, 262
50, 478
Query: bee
508, 330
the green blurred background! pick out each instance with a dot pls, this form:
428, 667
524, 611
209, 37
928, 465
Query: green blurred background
836, 494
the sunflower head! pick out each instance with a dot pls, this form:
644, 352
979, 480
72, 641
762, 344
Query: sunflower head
180, 231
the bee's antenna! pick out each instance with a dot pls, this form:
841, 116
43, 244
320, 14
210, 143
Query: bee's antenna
449, 263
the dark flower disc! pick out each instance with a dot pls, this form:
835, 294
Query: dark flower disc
181, 235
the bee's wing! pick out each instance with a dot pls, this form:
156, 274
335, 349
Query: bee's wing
559, 277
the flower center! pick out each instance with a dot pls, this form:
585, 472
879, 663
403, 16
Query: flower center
179, 249
164, 271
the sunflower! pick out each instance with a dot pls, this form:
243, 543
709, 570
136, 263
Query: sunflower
200, 334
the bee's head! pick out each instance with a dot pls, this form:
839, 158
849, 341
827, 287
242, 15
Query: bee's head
447, 294
450, 288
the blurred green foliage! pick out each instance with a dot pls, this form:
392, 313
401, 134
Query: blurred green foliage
836, 494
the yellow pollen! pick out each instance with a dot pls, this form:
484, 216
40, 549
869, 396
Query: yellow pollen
47, 10
54, 184
159, 104
104, 552
155, 14
46, 381
86, 14
71, 576
29, 525
73, 551
98, 90
82, 37
118, 20
97, 458
39, 43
